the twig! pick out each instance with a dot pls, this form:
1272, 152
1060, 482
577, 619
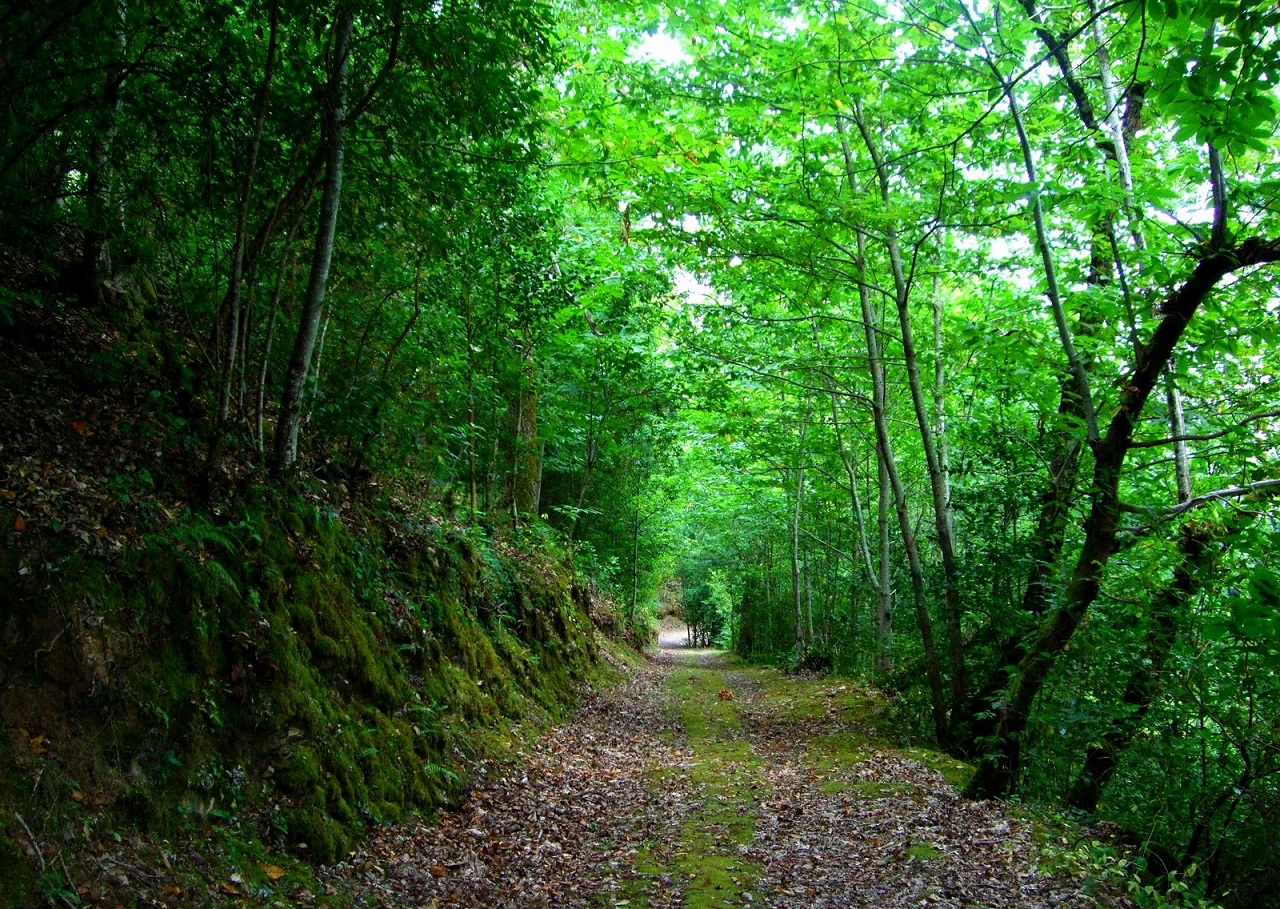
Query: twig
44, 867
35, 844
71, 883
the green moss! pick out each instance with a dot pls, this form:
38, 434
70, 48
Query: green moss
301, 772
325, 839
726, 770
955, 772
275, 638
924, 851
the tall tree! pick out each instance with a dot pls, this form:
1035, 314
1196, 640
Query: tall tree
295, 381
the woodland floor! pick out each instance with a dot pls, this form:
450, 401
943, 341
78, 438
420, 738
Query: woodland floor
698, 782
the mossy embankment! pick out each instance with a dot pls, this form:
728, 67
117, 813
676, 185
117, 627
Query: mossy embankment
295, 668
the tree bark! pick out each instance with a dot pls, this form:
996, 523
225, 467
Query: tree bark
884, 590
104, 218
525, 459
286, 438
801, 638
1102, 757
230, 315
635, 570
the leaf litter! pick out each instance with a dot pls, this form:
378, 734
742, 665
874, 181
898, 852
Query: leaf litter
591, 814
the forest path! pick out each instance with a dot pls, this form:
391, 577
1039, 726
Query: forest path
698, 782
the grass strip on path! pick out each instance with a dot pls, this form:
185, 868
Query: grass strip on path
723, 766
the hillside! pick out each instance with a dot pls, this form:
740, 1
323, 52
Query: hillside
203, 685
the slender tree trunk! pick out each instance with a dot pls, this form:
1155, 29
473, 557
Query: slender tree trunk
264, 366
259, 433
292, 197
884, 590
808, 600
286, 440
939, 484
104, 217
231, 304
801, 639
635, 568
526, 463
1178, 430
248, 323
1074, 362
1120, 135
796, 573
313, 378
941, 438
471, 400
877, 578
885, 446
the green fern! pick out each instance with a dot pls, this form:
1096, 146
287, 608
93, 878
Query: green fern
441, 771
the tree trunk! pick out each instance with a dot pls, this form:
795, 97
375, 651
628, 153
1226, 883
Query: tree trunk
104, 217
1178, 431
525, 460
230, 315
939, 484
884, 590
801, 638
635, 569
1102, 756
286, 439
999, 769
885, 446
471, 401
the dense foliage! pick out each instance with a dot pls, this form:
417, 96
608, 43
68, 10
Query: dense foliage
979, 322
823, 309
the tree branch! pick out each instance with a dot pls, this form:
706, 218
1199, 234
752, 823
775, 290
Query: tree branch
1231, 492
1207, 437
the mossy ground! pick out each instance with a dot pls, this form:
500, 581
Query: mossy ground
707, 864
271, 682
727, 771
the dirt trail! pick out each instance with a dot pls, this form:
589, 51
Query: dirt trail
699, 783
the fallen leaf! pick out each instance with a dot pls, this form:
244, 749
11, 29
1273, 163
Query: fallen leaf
275, 872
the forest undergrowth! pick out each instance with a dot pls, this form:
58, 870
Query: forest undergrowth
205, 693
